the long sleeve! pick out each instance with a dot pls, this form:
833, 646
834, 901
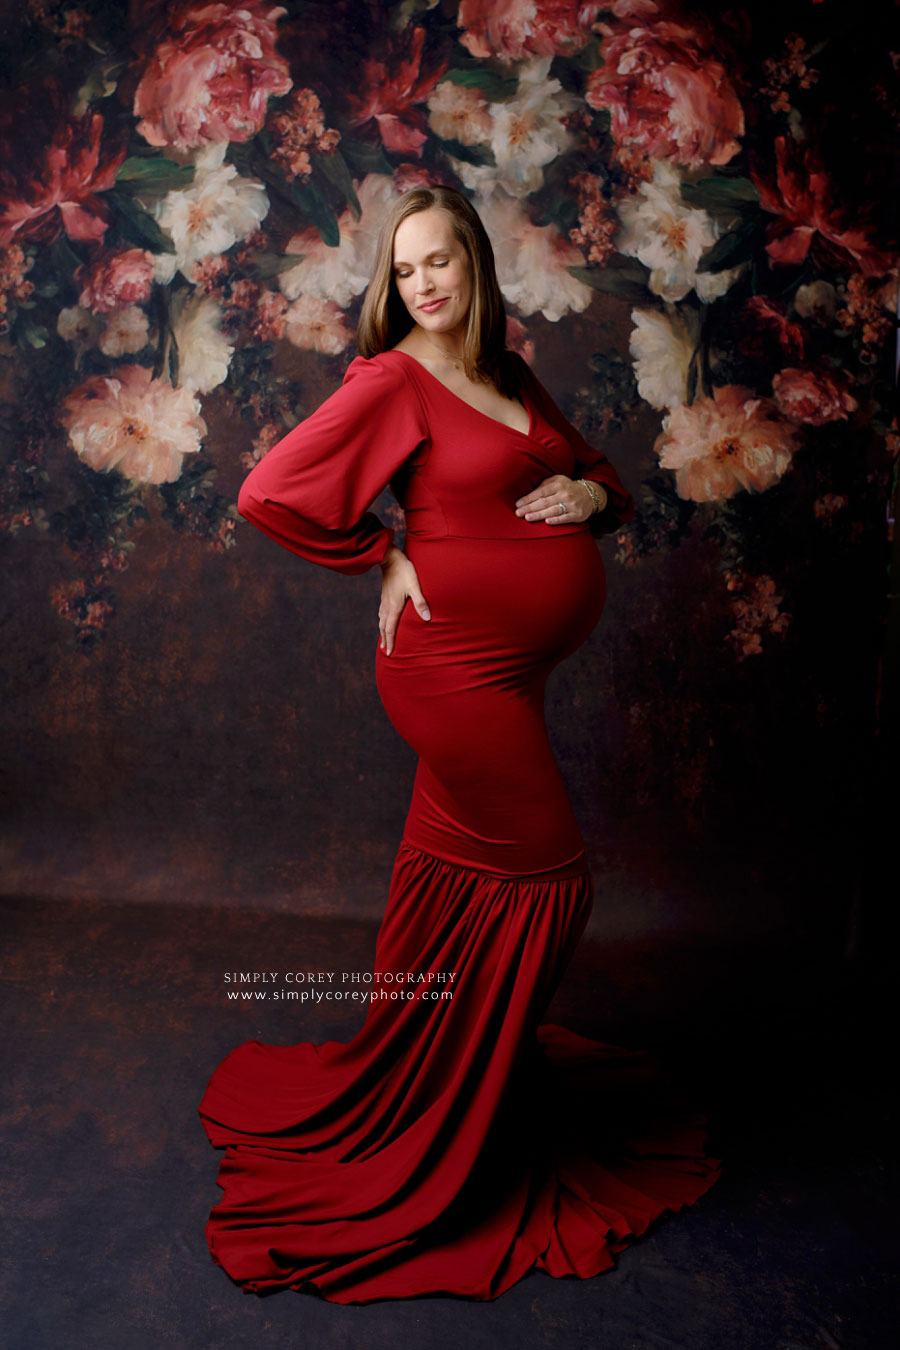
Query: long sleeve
591, 462
312, 492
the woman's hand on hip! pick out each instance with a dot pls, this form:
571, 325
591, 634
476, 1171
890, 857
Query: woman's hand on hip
399, 582
545, 502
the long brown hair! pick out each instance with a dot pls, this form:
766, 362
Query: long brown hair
385, 319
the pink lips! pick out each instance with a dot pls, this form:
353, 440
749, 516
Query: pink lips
434, 304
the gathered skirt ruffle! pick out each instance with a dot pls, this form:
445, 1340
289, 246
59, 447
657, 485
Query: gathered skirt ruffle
454, 1143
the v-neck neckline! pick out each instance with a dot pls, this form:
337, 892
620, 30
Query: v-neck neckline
526, 435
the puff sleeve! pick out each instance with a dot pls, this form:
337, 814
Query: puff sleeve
311, 493
591, 463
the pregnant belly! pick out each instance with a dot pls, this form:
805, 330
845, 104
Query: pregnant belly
500, 605
466, 691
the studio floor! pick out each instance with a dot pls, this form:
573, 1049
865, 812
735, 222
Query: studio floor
116, 1015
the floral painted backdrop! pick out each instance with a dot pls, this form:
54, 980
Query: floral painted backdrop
698, 251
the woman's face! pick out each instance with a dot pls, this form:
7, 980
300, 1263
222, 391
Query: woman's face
432, 272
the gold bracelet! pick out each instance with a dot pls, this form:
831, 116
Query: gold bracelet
592, 493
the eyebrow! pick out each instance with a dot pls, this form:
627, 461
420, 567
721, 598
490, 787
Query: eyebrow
433, 254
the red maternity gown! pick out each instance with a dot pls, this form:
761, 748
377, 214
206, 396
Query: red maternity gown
452, 1145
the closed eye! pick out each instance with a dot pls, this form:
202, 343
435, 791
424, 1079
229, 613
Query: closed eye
444, 263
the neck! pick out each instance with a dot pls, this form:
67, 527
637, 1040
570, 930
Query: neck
448, 345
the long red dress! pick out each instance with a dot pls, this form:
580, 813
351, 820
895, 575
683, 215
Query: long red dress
453, 1144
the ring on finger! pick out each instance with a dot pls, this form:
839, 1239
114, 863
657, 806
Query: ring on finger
562, 508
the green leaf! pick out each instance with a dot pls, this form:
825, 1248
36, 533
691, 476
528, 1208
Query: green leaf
136, 224
721, 194
733, 248
318, 212
35, 334
334, 168
65, 259
364, 158
495, 88
470, 154
156, 176
272, 264
621, 276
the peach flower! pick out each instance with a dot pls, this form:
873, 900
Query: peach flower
132, 423
116, 280
720, 445
317, 325
668, 98
812, 396
513, 30
211, 78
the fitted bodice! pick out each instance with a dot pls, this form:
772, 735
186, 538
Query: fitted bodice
465, 479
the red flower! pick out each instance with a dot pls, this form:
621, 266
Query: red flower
763, 320
801, 197
390, 98
55, 189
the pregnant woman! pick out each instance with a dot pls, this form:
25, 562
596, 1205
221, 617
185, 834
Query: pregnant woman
454, 1144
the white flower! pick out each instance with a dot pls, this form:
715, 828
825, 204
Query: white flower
670, 237
125, 331
528, 133
662, 346
816, 300
204, 352
457, 112
532, 261
317, 325
212, 213
78, 325
340, 273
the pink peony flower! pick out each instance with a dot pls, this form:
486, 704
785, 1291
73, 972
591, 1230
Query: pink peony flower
668, 98
722, 444
211, 78
513, 30
116, 280
55, 190
812, 396
802, 198
390, 96
130, 422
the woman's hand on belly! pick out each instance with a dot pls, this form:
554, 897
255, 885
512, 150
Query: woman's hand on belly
399, 583
544, 501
